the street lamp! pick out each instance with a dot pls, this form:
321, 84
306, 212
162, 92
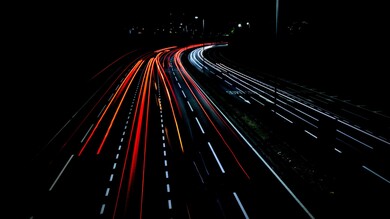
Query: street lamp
203, 24
276, 17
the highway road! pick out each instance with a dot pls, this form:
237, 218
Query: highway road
350, 142
151, 141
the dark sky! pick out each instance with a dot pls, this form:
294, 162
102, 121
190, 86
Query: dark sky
68, 24
66, 32
61, 35
79, 22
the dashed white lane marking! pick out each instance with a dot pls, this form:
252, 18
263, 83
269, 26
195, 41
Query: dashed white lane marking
107, 193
